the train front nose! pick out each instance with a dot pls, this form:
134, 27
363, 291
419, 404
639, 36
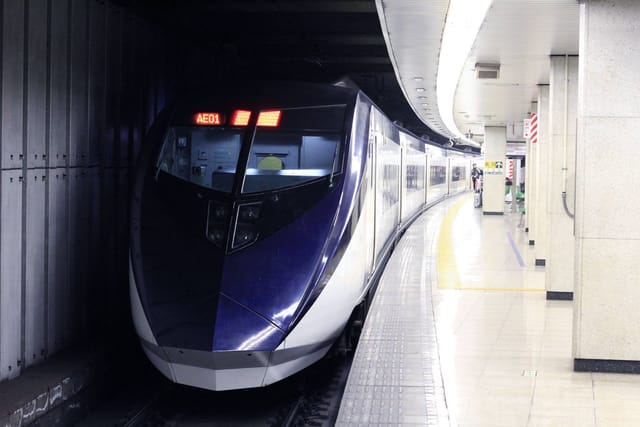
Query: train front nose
239, 357
237, 328
187, 291
222, 273
228, 226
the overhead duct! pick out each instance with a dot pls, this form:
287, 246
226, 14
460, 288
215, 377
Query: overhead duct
487, 71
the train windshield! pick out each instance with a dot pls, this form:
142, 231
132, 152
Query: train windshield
206, 156
296, 146
290, 147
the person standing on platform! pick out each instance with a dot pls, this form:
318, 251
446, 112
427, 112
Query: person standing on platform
475, 177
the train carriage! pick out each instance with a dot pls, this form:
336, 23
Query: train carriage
260, 217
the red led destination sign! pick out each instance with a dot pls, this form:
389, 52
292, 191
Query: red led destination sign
238, 118
208, 119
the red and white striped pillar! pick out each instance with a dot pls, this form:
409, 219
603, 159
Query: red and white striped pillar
534, 128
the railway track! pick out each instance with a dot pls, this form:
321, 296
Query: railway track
310, 398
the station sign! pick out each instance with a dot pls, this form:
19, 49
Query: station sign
516, 149
493, 167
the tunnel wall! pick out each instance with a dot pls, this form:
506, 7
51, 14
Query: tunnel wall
80, 83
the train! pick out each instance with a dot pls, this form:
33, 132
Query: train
261, 216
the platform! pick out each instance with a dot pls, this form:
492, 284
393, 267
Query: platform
460, 334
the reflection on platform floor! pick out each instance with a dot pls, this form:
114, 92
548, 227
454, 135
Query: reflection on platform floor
461, 334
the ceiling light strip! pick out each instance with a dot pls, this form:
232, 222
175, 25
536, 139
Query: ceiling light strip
461, 28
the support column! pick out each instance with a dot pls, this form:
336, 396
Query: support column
530, 185
607, 292
495, 152
563, 101
542, 178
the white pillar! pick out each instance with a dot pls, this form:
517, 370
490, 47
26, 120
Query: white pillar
530, 185
607, 288
542, 169
563, 102
495, 152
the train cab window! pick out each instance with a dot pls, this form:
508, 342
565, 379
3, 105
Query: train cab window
206, 156
305, 145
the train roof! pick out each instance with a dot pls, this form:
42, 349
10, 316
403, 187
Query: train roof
274, 94
267, 95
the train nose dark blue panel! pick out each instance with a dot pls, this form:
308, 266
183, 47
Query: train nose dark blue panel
238, 328
181, 269
273, 276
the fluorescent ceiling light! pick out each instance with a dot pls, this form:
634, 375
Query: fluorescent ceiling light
464, 20
420, 89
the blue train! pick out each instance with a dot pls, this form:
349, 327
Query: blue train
260, 216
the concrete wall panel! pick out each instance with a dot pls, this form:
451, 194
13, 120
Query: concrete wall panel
82, 273
129, 90
114, 84
77, 255
149, 96
80, 84
35, 261
57, 259
122, 227
95, 268
97, 80
78, 126
37, 84
59, 84
13, 19
108, 221
10, 273
142, 95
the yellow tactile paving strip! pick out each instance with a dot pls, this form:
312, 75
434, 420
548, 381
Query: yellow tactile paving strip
449, 274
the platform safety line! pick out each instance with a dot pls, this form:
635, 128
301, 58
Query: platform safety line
448, 276
514, 247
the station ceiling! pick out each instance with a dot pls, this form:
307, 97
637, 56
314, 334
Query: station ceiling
516, 37
303, 40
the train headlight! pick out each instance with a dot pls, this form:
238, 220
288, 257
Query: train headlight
218, 223
246, 231
244, 235
220, 212
217, 235
249, 213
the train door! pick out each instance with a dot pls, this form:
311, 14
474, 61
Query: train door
427, 175
370, 201
448, 175
402, 182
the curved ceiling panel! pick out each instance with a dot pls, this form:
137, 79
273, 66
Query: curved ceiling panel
518, 36
413, 31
